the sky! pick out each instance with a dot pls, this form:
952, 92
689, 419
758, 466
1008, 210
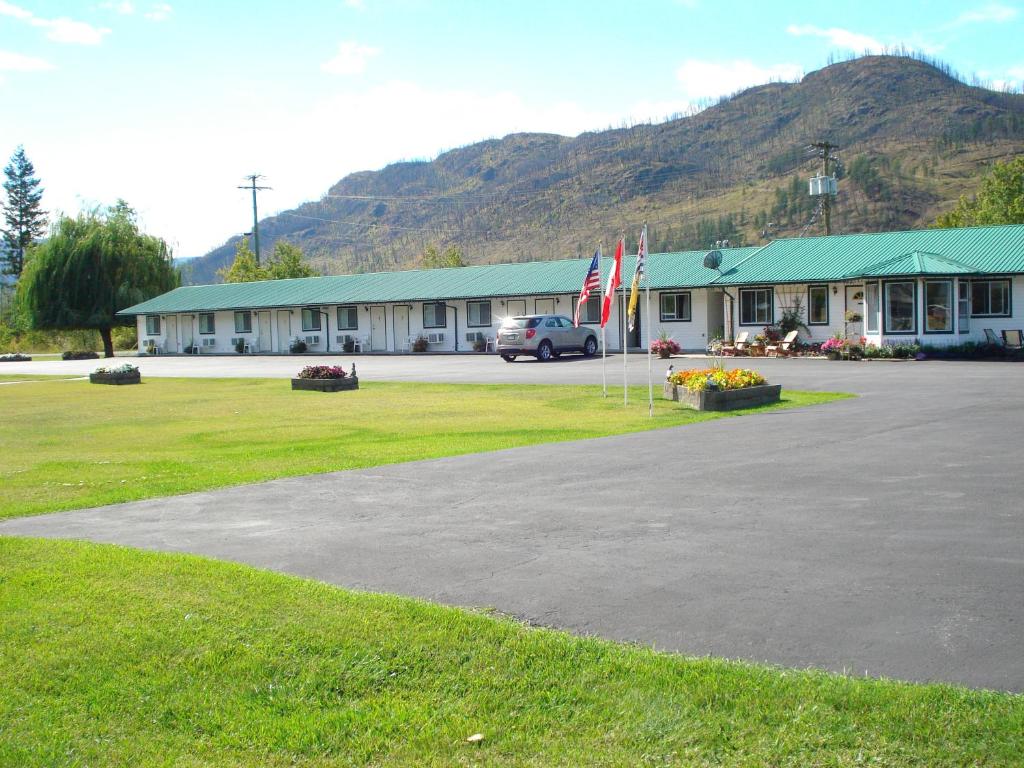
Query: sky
169, 105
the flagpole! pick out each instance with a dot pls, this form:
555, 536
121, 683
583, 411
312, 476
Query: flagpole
604, 346
647, 292
625, 344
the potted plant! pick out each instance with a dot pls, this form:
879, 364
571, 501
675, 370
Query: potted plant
349, 345
122, 374
834, 347
853, 317
665, 346
240, 346
298, 346
420, 345
480, 345
326, 378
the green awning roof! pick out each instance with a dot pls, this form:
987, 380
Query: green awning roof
976, 250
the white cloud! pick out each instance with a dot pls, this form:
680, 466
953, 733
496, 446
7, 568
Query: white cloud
16, 62
841, 38
61, 30
159, 12
358, 5
708, 79
351, 59
124, 8
989, 13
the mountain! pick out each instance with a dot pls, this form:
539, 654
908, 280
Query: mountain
913, 137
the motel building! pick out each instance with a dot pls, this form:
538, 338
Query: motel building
938, 286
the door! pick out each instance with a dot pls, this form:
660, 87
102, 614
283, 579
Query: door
284, 330
378, 330
263, 323
401, 332
187, 338
854, 311
171, 334
716, 314
544, 306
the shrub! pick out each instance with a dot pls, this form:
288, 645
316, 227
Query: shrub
697, 379
298, 346
79, 355
15, 358
420, 345
322, 372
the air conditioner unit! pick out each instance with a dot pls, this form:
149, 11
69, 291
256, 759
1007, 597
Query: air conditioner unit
435, 338
312, 339
209, 342
474, 336
341, 338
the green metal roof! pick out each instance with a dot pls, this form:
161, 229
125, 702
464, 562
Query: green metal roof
977, 250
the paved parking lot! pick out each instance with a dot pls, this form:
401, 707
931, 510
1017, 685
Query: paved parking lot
882, 535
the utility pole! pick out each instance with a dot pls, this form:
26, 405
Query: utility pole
255, 219
825, 150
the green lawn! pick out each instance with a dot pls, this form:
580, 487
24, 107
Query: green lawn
116, 657
34, 377
73, 444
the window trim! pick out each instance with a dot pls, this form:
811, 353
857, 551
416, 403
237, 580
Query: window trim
152, 332
593, 297
314, 312
444, 313
490, 315
875, 316
1009, 296
213, 323
771, 306
954, 302
338, 317
885, 301
828, 315
243, 312
677, 319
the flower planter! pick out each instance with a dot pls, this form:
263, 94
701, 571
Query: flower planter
107, 378
671, 391
730, 399
327, 385
834, 356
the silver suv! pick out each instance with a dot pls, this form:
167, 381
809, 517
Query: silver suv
543, 336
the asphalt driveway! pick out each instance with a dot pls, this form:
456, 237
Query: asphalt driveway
882, 535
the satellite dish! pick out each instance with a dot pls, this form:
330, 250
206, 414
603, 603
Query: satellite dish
713, 260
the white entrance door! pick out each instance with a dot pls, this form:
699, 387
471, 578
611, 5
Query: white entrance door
171, 334
544, 306
263, 323
378, 330
186, 332
855, 304
284, 330
401, 329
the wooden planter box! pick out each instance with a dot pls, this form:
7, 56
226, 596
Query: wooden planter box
106, 378
327, 385
730, 399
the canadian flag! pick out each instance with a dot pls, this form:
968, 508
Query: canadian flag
614, 281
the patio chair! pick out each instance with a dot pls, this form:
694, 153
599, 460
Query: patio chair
1013, 339
782, 348
739, 346
991, 338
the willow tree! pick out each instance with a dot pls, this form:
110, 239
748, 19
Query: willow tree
91, 267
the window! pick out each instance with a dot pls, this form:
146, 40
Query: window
435, 315
243, 322
756, 306
591, 312
963, 320
478, 314
938, 304
206, 324
152, 325
516, 307
900, 307
675, 307
990, 298
348, 317
817, 305
311, 320
871, 308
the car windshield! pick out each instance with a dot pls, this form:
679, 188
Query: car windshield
521, 322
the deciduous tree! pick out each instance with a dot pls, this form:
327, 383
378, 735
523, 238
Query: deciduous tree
1000, 199
91, 267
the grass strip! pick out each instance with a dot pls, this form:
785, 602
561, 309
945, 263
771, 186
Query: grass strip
111, 656
74, 444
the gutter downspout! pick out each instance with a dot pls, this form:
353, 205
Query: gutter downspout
456, 311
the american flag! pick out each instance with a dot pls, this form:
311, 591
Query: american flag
590, 282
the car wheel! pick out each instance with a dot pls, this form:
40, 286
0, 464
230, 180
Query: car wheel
590, 346
508, 358
544, 351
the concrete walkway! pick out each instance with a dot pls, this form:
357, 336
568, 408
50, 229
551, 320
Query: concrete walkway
882, 535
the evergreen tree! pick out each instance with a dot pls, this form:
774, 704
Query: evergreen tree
91, 267
24, 219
